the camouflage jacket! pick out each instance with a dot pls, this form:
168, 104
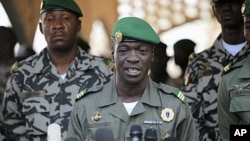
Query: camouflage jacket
202, 78
37, 96
161, 107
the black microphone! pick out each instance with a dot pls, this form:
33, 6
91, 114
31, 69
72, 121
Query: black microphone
104, 134
150, 135
170, 139
71, 139
136, 133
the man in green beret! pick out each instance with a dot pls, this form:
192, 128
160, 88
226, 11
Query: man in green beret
42, 90
234, 90
131, 97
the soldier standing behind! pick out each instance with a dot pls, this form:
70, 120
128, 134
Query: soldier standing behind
42, 90
8, 40
234, 90
203, 74
131, 97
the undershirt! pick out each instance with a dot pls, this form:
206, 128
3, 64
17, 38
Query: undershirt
233, 49
130, 106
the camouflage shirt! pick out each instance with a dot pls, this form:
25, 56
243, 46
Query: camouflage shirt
36, 95
202, 78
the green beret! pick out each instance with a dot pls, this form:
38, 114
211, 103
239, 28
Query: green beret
132, 28
240, 1
69, 5
247, 8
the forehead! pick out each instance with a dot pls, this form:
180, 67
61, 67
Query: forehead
56, 12
133, 43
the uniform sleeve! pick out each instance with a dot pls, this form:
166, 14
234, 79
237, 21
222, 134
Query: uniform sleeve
224, 116
14, 120
187, 130
77, 119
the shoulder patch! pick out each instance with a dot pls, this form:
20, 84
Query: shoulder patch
81, 94
191, 56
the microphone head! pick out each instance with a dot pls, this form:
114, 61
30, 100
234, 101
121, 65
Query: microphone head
136, 130
54, 132
104, 134
170, 139
71, 139
150, 135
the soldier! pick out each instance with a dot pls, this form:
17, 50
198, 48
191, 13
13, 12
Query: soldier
234, 90
131, 97
8, 41
204, 72
42, 90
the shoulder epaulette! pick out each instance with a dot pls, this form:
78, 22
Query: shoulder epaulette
231, 66
178, 93
81, 94
227, 68
14, 67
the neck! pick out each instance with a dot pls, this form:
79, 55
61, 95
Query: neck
63, 60
233, 36
130, 92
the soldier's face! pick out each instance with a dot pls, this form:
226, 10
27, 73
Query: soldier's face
247, 28
60, 29
228, 13
132, 61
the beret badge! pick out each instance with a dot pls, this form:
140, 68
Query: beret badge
118, 36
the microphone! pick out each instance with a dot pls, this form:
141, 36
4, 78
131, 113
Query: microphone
136, 133
150, 135
54, 132
170, 139
104, 134
71, 139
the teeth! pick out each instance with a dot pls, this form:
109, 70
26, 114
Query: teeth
132, 70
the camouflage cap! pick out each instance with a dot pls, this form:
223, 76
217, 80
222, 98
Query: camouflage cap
132, 28
69, 5
247, 8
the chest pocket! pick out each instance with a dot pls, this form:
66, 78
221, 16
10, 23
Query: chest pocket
37, 115
240, 97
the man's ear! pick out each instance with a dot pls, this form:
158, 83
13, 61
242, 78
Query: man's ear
41, 27
113, 44
79, 25
153, 52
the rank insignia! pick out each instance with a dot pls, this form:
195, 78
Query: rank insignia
97, 116
227, 67
81, 94
118, 36
167, 114
186, 80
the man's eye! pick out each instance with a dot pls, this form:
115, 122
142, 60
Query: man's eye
247, 27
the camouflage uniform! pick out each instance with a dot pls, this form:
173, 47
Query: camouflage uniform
201, 83
5, 70
37, 96
233, 98
103, 102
